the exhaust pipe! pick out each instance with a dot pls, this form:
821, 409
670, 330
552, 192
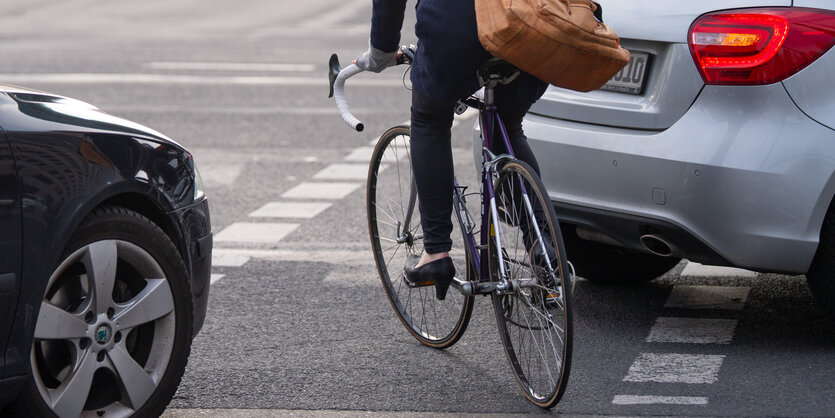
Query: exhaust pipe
657, 245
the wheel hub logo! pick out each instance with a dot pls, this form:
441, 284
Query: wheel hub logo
103, 334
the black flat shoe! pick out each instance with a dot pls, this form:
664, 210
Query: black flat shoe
438, 273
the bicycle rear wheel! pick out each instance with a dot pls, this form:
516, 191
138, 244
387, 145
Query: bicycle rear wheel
394, 227
534, 316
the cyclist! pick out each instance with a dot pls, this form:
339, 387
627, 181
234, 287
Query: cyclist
443, 71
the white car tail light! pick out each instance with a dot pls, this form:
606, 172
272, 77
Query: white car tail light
759, 46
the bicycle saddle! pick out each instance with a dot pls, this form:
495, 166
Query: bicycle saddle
498, 71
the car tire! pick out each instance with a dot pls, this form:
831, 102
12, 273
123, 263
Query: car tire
132, 355
604, 263
821, 274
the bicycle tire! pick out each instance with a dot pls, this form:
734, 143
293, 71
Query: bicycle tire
534, 324
433, 322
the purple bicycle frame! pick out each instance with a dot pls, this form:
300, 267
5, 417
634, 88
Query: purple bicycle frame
488, 119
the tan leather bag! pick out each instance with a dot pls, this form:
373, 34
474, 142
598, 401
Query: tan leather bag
558, 41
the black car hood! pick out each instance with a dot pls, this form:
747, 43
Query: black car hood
72, 112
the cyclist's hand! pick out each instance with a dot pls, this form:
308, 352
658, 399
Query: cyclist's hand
376, 60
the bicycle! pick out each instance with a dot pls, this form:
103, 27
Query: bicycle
528, 282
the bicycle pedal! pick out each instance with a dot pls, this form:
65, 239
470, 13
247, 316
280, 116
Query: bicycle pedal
552, 297
416, 285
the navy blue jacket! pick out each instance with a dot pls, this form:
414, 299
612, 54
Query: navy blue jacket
448, 54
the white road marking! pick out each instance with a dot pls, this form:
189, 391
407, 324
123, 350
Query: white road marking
664, 400
217, 174
255, 232
305, 210
708, 297
125, 78
333, 191
343, 172
228, 260
314, 256
700, 270
231, 66
362, 154
675, 368
215, 278
692, 331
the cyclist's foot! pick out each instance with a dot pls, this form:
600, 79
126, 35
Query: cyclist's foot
438, 272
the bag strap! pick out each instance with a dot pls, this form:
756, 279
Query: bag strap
598, 12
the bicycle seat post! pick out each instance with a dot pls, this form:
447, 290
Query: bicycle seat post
490, 92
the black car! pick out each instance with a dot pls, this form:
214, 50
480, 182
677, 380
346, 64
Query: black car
105, 259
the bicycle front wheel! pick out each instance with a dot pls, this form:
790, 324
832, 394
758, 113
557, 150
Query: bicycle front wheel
534, 315
394, 227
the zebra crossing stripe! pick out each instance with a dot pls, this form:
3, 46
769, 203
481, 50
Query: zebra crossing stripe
343, 172
361, 154
228, 260
215, 277
692, 331
664, 400
264, 233
675, 368
304, 210
699, 270
708, 297
331, 191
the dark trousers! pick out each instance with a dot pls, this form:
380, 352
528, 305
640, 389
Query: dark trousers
432, 156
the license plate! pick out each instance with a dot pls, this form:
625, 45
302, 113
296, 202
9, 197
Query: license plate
631, 78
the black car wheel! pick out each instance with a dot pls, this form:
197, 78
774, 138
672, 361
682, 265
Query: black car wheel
821, 275
114, 329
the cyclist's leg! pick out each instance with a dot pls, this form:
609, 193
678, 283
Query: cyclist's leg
513, 101
433, 169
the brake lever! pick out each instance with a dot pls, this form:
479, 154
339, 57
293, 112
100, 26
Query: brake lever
333, 71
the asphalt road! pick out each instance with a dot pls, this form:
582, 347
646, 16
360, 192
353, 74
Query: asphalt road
298, 324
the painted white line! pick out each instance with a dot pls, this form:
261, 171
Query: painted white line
692, 331
118, 78
675, 368
331, 191
228, 260
364, 257
700, 270
255, 232
217, 174
663, 400
304, 210
215, 278
708, 297
362, 154
343, 172
231, 66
